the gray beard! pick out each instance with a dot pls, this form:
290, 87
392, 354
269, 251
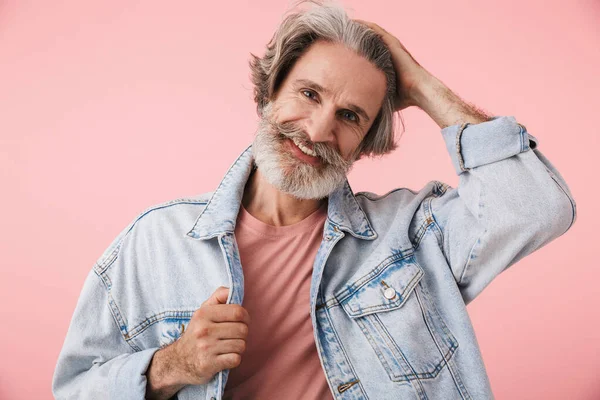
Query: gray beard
287, 173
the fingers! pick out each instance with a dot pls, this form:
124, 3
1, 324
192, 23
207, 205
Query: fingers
227, 361
227, 313
219, 296
236, 346
230, 330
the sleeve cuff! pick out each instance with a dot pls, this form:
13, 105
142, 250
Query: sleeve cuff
130, 377
473, 145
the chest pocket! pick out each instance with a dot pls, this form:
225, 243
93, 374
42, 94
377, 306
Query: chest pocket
159, 330
402, 325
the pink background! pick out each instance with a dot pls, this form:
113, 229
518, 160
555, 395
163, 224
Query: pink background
108, 107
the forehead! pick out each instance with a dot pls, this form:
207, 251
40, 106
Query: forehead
343, 73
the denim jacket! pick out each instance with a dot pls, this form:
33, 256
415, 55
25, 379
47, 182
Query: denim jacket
390, 281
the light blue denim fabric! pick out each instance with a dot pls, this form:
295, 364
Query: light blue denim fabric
390, 282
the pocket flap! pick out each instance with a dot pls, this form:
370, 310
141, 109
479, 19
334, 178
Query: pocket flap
386, 291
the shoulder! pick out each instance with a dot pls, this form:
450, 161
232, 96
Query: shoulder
402, 214
167, 218
401, 195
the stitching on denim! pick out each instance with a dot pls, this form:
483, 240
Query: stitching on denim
385, 335
104, 263
357, 204
441, 188
361, 322
343, 350
394, 346
428, 207
438, 190
376, 276
360, 282
320, 354
401, 299
458, 380
434, 310
429, 324
115, 312
414, 378
480, 206
422, 229
167, 314
108, 260
223, 181
229, 265
399, 356
470, 256
417, 375
331, 244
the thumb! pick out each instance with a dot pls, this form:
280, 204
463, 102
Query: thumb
219, 296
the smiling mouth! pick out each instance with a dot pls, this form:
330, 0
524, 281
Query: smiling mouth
302, 152
306, 150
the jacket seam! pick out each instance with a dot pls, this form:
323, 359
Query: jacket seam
573, 211
105, 262
430, 219
383, 196
479, 217
156, 318
216, 191
330, 321
110, 302
368, 277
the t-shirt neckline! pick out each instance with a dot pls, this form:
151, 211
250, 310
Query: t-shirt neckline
306, 225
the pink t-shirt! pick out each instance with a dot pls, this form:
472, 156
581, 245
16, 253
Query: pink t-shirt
281, 360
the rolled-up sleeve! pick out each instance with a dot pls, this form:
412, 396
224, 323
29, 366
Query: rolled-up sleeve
509, 202
487, 142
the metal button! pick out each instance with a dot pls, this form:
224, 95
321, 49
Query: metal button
389, 293
328, 238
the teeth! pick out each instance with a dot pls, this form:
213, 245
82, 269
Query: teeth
304, 149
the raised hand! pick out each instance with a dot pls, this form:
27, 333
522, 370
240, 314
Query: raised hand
409, 73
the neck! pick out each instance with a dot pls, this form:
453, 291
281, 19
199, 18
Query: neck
271, 206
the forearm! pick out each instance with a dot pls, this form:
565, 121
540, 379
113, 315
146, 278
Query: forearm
444, 106
161, 378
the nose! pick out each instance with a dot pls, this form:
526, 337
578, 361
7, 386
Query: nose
320, 126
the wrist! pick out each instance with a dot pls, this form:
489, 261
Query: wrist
163, 378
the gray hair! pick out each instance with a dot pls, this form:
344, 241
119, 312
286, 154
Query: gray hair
329, 22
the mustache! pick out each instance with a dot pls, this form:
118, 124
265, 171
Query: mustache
327, 154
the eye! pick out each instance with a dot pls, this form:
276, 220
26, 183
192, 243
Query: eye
350, 116
309, 94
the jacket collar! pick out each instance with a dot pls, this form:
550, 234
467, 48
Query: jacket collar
220, 214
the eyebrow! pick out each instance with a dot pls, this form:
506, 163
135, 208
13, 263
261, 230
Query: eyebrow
314, 85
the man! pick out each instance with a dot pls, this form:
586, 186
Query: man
283, 283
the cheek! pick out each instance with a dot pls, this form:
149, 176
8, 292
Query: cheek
291, 110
